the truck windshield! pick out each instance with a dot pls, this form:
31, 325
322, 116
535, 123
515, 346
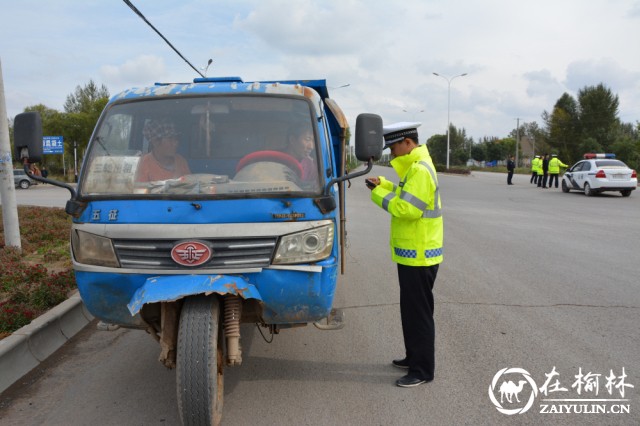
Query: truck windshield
218, 146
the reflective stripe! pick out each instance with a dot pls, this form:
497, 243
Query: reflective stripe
421, 205
411, 254
386, 200
433, 253
405, 253
435, 179
436, 212
413, 200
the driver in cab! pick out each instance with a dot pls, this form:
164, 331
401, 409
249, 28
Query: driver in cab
300, 144
162, 162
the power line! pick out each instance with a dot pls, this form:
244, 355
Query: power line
137, 12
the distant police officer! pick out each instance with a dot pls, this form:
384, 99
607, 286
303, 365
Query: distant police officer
535, 163
543, 171
511, 166
416, 244
554, 169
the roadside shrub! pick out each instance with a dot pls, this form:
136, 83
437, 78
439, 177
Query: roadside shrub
13, 316
40, 276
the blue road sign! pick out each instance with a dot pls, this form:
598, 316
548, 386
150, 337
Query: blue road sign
52, 145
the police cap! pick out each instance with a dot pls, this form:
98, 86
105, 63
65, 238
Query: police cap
396, 132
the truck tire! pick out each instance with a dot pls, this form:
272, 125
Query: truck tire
200, 362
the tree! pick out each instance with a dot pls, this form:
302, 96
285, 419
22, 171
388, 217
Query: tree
88, 99
628, 150
75, 124
563, 128
589, 145
478, 152
458, 145
598, 114
437, 145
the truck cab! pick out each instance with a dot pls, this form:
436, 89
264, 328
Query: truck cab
196, 211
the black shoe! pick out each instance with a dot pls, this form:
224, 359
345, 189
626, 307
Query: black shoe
409, 381
400, 363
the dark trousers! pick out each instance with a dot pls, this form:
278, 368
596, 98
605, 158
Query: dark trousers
509, 177
542, 180
416, 312
534, 178
553, 176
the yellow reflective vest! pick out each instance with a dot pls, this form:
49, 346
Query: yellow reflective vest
554, 165
534, 165
538, 165
417, 230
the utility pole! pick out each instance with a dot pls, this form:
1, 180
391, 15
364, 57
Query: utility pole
517, 138
7, 182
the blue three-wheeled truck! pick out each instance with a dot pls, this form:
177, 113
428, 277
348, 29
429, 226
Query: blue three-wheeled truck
243, 229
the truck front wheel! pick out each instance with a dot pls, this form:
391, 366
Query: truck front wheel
200, 362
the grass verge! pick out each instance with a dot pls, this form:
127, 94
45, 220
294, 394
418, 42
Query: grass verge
40, 276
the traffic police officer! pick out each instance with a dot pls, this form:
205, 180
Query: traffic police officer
416, 244
554, 169
534, 169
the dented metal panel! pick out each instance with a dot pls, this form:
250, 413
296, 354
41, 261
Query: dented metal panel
173, 287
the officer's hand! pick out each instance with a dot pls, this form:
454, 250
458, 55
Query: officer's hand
372, 182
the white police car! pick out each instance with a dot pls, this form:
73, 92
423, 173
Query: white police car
598, 173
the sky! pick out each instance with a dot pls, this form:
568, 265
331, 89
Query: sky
377, 56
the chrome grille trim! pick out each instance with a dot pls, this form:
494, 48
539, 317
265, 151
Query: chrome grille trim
227, 253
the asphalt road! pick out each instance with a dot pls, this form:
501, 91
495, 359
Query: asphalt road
532, 279
43, 195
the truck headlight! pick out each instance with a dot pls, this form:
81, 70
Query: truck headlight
307, 246
92, 249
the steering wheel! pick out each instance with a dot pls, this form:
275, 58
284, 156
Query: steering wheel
271, 156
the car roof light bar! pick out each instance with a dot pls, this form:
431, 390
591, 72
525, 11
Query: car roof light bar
592, 156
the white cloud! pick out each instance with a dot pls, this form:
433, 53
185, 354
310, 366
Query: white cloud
139, 70
520, 57
606, 71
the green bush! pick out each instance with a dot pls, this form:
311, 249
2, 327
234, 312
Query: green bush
40, 276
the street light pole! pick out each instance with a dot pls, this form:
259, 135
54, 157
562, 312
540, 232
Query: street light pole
448, 108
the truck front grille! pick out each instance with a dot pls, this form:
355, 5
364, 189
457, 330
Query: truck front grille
227, 253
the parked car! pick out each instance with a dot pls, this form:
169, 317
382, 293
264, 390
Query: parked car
598, 173
22, 180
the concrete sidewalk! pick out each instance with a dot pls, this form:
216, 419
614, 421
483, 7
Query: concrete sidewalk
27, 347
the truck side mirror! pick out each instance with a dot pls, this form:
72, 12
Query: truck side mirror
27, 136
369, 137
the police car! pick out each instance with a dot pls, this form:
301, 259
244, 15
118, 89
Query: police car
598, 173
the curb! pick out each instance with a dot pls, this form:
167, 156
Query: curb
27, 347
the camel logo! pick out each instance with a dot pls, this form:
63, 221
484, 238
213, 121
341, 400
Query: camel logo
510, 389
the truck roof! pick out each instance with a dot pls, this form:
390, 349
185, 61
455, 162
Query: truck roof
227, 85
